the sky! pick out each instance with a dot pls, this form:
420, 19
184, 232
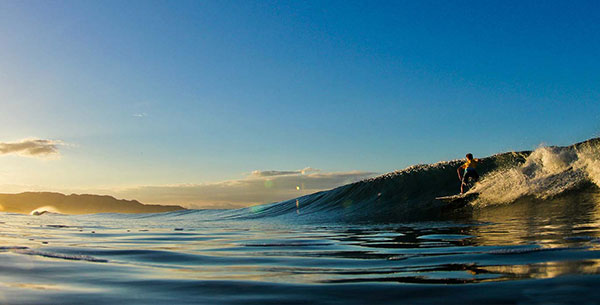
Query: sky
234, 103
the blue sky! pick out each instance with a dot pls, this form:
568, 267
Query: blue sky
200, 92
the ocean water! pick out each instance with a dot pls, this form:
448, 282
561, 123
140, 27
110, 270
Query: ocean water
532, 236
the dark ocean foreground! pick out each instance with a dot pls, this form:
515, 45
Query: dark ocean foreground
531, 237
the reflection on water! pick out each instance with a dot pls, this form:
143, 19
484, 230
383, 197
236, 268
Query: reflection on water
552, 223
546, 269
147, 259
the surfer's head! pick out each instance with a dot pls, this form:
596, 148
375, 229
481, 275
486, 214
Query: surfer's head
469, 156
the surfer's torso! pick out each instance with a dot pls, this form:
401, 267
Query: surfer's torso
470, 164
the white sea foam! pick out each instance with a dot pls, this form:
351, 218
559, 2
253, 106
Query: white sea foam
589, 161
547, 172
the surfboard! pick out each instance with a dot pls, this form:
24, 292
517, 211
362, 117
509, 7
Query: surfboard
458, 198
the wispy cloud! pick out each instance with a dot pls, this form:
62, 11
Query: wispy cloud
31, 147
259, 187
270, 173
140, 115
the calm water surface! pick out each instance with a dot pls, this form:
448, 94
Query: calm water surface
543, 252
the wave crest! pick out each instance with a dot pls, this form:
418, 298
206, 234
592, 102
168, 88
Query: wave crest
546, 173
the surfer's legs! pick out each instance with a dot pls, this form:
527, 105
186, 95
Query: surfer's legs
465, 179
470, 174
475, 176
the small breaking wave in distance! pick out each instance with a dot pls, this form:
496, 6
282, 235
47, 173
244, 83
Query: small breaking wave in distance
43, 210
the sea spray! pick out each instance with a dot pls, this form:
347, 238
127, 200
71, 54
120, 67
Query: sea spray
589, 161
546, 173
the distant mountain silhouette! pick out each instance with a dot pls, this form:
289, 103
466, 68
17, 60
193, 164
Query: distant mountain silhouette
76, 204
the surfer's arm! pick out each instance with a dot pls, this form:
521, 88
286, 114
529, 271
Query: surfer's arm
459, 171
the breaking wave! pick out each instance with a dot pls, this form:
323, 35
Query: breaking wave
44, 210
546, 173
409, 194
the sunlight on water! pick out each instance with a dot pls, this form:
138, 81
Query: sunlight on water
83, 257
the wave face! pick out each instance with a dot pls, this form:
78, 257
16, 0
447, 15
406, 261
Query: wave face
410, 194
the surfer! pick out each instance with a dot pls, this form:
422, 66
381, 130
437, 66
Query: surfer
469, 172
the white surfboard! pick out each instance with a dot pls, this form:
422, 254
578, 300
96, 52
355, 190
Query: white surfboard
458, 198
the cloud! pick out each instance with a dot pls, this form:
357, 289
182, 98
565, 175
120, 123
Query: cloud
140, 115
259, 187
258, 173
271, 173
31, 147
